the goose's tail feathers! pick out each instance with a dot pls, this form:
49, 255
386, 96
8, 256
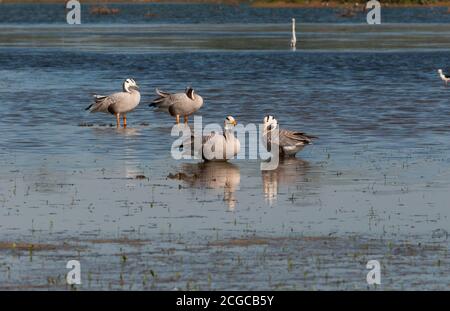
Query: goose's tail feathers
160, 100
98, 101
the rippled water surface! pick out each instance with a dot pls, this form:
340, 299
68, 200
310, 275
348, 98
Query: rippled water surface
373, 186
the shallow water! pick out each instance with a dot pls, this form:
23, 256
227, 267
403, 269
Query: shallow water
374, 186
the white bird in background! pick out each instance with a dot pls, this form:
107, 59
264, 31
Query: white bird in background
118, 103
444, 77
294, 38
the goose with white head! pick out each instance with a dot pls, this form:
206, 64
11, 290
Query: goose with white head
289, 142
120, 103
217, 146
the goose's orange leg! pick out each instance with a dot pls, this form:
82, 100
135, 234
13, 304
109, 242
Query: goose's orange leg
178, 119
124, 121
185, 119
118, 120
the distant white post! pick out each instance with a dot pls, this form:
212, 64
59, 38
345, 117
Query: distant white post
294, 38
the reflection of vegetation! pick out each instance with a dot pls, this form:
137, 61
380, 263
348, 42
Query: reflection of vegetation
269, 3
343, 2
103, 10
350, 1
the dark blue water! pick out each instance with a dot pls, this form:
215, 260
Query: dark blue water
210, 13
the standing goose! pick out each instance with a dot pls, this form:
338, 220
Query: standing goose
290, 142
118, 103
218, 146
179, 104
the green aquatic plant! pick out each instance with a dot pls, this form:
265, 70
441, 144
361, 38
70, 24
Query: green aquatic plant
209, 280
144, 279
89, 276
153, 274
290, 264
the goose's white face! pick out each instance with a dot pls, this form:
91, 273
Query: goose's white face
130, 84
270, 123
440, 71
230, 122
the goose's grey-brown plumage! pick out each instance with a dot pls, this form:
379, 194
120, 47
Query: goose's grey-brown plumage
216, 146
289, 142
119, 103
179, 104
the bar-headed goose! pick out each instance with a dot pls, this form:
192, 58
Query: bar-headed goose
215, 146
179, 104
290, 142
118, 103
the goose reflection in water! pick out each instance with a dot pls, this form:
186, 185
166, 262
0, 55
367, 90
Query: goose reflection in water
105, 131
212, 175
290, 172
125, 153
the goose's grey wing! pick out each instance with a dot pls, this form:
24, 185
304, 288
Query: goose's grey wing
188, 145
182, 105
161, 93
162, 101
165, 100
189, 106
205, 139
106, 103
293, 138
